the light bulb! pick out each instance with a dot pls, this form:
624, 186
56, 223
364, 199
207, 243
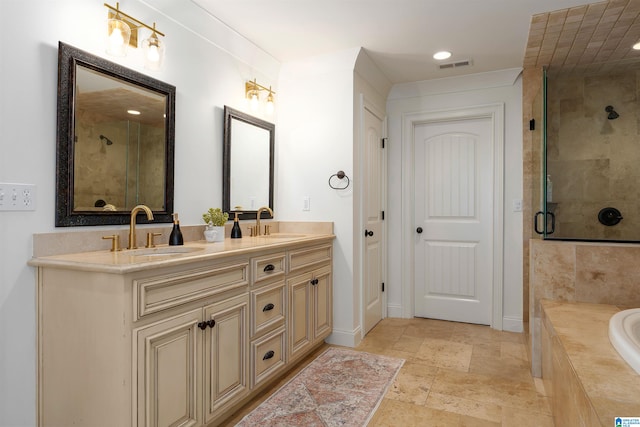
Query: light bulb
153, 55
254, 103
118, 37
270, 106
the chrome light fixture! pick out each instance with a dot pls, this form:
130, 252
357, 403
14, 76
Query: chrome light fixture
252, 93
122, 31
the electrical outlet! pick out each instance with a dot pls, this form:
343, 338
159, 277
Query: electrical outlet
17, 197
306, 203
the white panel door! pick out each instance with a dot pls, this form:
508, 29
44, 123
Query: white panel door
372, 210
454, 220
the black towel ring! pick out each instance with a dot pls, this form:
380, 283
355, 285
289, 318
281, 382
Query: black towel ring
340, 175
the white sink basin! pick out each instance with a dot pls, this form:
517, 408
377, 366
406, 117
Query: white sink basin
624, 334
163, 251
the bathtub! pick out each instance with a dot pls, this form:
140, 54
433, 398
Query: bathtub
624, 334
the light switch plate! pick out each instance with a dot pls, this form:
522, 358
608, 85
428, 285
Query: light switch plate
306, 203
17, 197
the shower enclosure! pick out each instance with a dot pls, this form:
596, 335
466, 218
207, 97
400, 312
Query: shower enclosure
121, 165
591, 174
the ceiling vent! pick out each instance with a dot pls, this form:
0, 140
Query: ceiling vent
455, 64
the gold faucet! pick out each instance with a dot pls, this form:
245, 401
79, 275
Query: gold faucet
132, 225
257, 226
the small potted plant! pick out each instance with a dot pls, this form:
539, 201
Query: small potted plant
215, 220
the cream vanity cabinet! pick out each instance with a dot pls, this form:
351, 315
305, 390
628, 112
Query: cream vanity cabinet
175, 343
310, 298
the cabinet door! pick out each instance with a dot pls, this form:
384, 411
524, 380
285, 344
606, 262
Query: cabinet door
300, 315
322, 303
226, 354
169, 360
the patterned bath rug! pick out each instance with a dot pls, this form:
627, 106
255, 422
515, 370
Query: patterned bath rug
341, 387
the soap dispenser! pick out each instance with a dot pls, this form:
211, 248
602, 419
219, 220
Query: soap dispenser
175, 238
236, 233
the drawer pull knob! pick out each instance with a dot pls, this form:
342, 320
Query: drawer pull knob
268, 307
314, 282
269, 267
268, 355
211, 323
202, 325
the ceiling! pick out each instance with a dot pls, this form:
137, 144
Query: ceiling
401, 36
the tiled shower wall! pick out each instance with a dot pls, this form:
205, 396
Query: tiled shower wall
593, 161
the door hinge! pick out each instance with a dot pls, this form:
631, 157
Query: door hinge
384, 141
382, 286
383, 215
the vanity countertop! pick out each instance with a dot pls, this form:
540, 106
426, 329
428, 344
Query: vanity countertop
127, 261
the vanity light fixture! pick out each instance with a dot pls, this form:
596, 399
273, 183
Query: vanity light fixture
122, 31
252, 93
442, 55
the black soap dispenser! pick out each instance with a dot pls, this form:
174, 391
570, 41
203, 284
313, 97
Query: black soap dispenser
236, 233
175, 238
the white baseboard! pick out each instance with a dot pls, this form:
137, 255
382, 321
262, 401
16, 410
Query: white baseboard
345, 338
394, 310
512, 324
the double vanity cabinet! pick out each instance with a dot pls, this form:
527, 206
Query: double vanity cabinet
153, 338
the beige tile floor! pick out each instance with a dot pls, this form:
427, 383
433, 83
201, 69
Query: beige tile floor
455, 374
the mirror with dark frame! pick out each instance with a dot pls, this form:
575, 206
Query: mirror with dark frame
115, 142
247, 164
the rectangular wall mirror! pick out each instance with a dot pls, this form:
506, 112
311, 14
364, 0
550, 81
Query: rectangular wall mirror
247, 164
115, 142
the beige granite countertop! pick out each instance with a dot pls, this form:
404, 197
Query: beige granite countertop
127, 261
611, 385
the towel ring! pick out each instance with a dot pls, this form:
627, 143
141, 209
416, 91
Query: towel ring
340, 175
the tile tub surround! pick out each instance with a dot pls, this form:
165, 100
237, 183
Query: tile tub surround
589, 381
599, 273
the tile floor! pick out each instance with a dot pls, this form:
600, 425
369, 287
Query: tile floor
455, 374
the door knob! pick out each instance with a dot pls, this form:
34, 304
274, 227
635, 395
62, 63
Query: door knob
368, 233
419, 230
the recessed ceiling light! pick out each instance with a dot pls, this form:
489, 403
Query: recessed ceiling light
442, 55
134, 112
636, 46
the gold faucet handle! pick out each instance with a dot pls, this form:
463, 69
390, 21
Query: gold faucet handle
267, 230
253, 231
150, 237
115, 242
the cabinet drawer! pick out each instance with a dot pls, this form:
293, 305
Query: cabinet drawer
303, 258
267, 356
268, 307
268, 267
158, 293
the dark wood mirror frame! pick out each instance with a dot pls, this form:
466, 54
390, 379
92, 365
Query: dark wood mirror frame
68, 58
231, 114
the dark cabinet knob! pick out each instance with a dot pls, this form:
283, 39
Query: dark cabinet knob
268, 355
268, 307
314, 282
419, 230
202, 325
269, 267
368, 233
211, 323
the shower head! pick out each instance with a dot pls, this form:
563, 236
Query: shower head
612, 113
105, 139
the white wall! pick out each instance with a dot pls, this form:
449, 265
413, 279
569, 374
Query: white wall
209, 70
474, 90
314, 142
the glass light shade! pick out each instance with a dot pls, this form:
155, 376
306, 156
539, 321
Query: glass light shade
118, 35
254, 101
153, 49
270, 105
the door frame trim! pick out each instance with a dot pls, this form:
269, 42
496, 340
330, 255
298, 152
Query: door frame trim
494, 112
